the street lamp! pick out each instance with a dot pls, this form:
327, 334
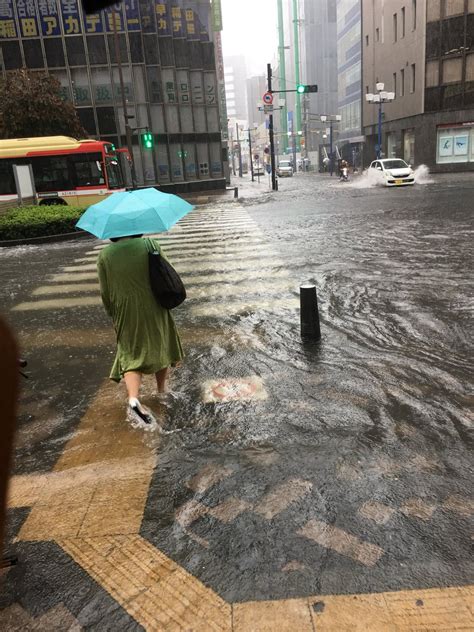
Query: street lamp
380, 97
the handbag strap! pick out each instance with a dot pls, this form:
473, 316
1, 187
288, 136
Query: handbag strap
150, 246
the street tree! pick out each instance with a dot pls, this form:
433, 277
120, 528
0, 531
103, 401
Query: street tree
31, 105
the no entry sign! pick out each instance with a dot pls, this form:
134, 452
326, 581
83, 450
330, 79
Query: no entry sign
268, 98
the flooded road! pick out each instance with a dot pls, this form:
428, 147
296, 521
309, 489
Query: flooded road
295, 469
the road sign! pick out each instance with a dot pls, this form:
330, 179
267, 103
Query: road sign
268, 109
256, 157
268, 98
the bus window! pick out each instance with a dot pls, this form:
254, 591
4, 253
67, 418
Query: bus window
51, 173
7, 180
87, 170
114, 174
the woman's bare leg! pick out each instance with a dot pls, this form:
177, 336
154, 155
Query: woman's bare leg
133, 380
162, 379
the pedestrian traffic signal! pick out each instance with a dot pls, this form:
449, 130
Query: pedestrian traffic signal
147, 140
302, 88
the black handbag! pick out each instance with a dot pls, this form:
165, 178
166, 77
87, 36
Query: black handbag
166, 284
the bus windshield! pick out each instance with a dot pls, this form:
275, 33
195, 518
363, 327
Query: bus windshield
114, 173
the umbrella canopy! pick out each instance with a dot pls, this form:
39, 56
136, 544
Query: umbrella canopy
134, 213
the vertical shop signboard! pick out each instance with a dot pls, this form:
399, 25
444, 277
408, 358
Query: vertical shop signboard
114, 12
132, 16
70, 17
163, 17
147, 16
216, 13
177, 20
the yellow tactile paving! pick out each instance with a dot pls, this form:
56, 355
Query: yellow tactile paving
158, 593
287, 615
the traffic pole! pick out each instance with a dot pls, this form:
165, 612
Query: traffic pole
270, 132
240, 149
250, 155
331, 158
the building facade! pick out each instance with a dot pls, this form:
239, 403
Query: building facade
423, 51
256, 88
349, 72
165, 54
236, 86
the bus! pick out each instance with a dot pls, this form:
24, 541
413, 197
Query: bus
66, 170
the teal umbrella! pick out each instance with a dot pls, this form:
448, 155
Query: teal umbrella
134, 213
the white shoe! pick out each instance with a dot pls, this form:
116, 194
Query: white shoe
139, 416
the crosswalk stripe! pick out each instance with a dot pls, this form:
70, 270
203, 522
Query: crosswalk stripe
230, 289
246, 264
79, 268
66, 289
217, 258
71, 276
57, 303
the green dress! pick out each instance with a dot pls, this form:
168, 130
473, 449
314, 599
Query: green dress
147, 338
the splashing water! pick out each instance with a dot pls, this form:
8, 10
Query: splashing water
422, 175
370, 178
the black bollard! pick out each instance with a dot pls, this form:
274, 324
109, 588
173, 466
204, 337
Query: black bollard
309, 313
236, 192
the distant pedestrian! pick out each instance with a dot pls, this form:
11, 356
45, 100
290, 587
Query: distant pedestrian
147, 339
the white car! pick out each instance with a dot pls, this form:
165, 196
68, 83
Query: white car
284, 168
394, 171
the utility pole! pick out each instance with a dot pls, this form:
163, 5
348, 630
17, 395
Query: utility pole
250, 154
296, 38
240, 149
232, 150
282, 73
128, 129
331, 155
270, 132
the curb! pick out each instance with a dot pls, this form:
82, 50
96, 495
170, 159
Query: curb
47, 239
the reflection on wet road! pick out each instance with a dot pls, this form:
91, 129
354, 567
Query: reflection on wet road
296, 470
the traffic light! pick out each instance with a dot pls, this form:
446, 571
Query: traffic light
147, 140
302, 88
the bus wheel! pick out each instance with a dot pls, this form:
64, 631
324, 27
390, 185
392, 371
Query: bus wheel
53, 202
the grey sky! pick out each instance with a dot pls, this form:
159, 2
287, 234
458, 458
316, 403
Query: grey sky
250, 29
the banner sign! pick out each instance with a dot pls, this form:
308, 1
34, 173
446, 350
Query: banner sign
49, 17
7, 20
177, 21
132, 15
163, 18
216, 13
27, 18
114, 12
192, 25
93, 22
70, 17
147, 16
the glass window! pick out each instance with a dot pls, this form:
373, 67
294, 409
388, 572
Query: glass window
413, 77
80, 86
413, 14
402, 82
433, 10
166, 51
122, 48
150, 46
432, 73
452, 70
216, 163
11, 55
403, 21
54, 52
176, 159
136, 48
163, 166
181, 53
7, 179
196, 54
454, 144
33, 53
102, 86
470, 67
114, 174
86, 116
154, 85
454, 7
106, 119
395, 27
75, 50
87, 169
97, 50
51, 173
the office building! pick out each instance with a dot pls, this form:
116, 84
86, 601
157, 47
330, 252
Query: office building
349, 72
168, 69
256, 88
236, 86
423, 52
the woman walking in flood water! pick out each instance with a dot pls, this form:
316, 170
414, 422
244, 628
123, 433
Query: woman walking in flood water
147, 339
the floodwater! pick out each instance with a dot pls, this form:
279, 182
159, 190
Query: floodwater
380, 410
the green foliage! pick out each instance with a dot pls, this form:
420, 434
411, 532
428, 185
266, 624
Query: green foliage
24, 222
31, 105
